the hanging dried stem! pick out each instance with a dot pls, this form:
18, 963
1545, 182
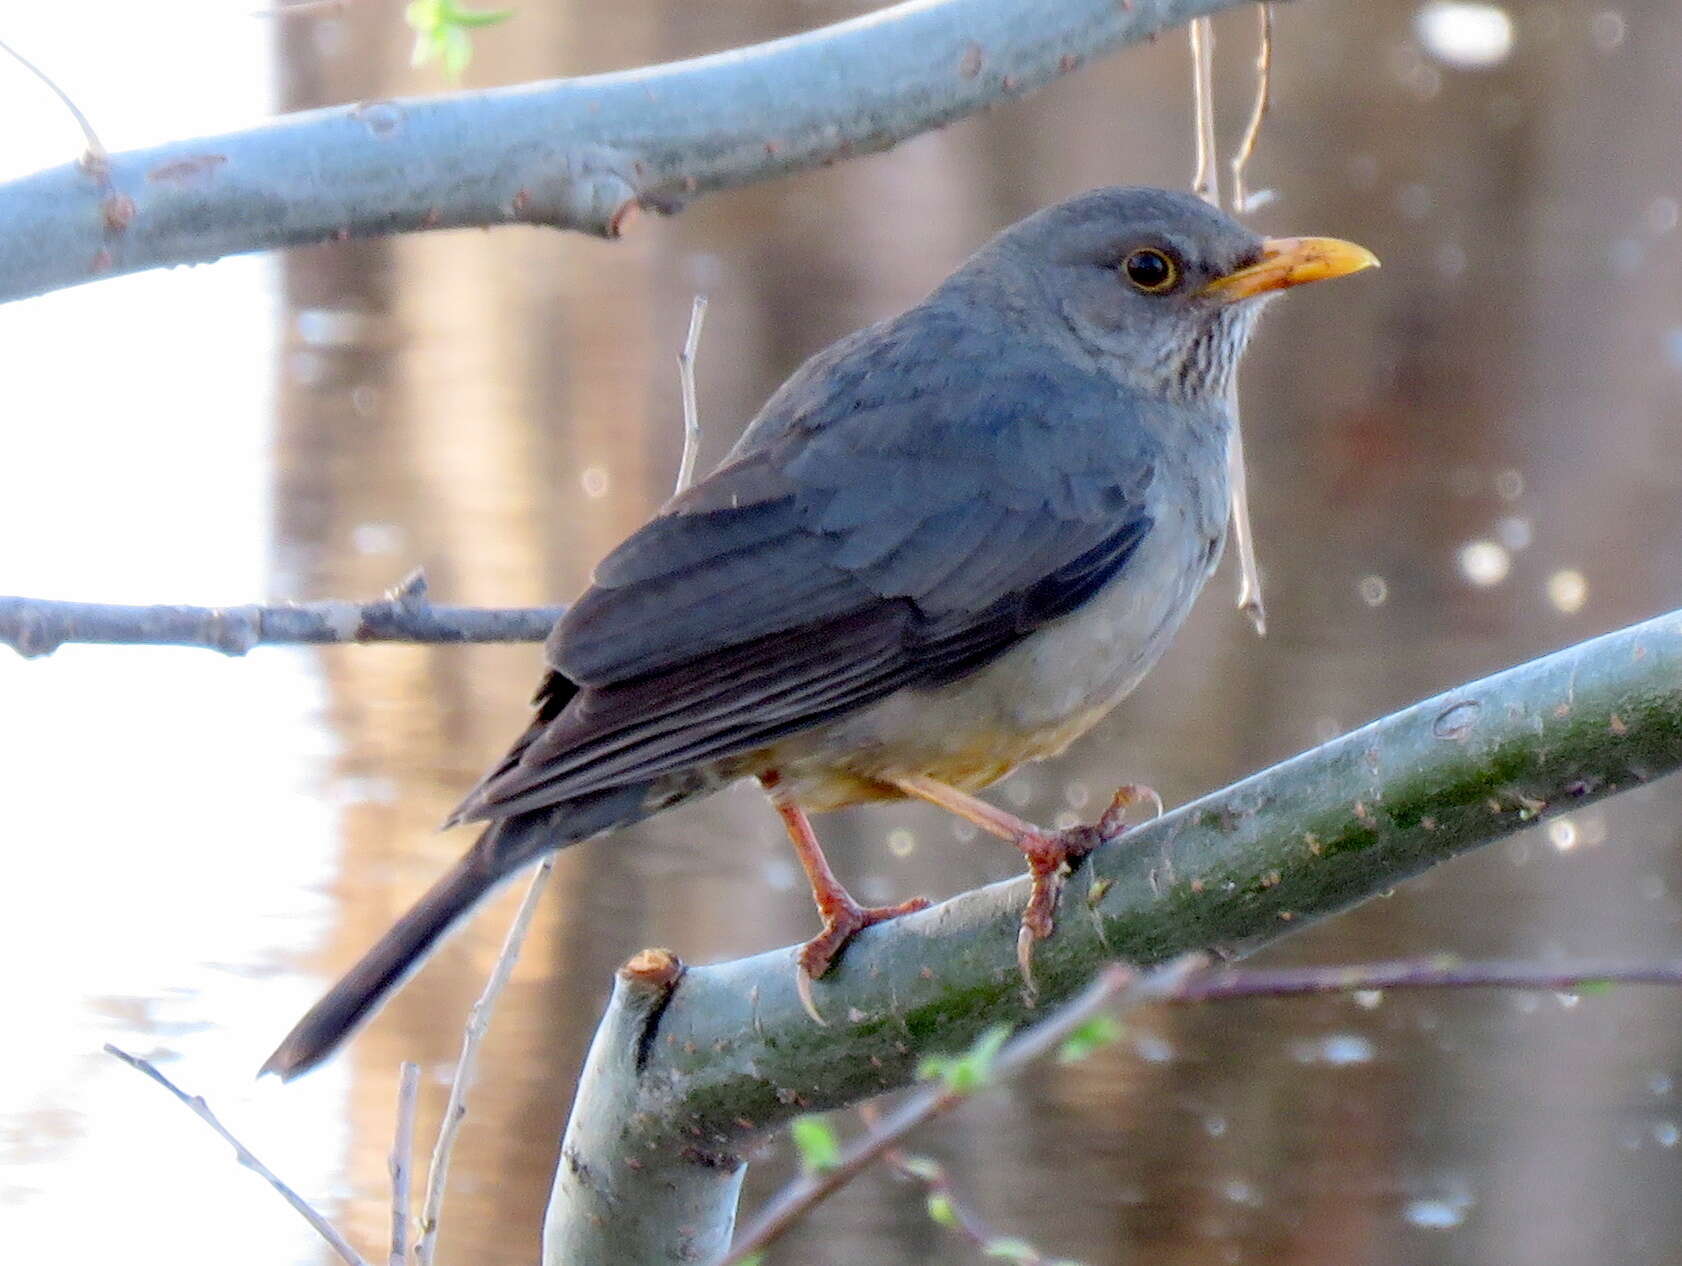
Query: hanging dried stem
1206, 186
1243, 535
1206, 183
686, 379
1241, 197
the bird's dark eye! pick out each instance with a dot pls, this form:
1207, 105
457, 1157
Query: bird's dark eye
1151, 270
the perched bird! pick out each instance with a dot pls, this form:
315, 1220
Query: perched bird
948, 544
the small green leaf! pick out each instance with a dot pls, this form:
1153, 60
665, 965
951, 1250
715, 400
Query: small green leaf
457, 50
820, 1150
423, 15
971, 1070
941, 1211
425, 49
1098, 1032
441, 32
480, 17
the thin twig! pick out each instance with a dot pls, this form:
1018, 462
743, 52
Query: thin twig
1206, 184
37, 626
954, 1213
1264, 93
478, 1021
1420, 973
1117, 989
200, 1109
97, 155
686, 379
402, 1150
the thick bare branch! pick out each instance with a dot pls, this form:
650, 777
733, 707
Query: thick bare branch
605, 1171
571, 153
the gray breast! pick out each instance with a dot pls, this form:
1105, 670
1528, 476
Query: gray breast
1058, 682
1078, 668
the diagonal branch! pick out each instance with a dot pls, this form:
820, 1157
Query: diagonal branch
680, 1082
1440, 971
568, 153
199, 1108
1117, 990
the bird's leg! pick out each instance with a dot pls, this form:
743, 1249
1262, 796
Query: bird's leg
1050, 854
842, 916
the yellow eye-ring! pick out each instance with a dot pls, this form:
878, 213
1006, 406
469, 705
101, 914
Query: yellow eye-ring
1151, 270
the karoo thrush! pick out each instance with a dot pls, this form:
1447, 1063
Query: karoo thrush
947, 545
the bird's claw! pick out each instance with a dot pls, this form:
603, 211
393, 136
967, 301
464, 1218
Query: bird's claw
1049, 857
1052, 855
1114, 820
843, 919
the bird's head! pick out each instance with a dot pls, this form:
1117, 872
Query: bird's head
1157, 286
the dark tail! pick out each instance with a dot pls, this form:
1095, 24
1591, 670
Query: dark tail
505, 847
365, 986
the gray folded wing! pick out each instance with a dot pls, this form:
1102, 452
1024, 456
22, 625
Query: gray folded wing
906, 519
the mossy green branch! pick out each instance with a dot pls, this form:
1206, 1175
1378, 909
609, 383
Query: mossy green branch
732, 1053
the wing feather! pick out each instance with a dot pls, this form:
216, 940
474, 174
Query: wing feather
862, 539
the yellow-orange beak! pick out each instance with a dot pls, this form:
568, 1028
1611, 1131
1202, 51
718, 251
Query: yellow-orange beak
1291, 261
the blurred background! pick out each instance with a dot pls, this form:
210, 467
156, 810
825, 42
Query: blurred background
1463, 461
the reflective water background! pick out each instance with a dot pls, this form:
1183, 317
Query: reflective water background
1464, 460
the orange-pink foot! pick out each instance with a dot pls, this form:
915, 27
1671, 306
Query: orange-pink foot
842, 919
1053, 854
